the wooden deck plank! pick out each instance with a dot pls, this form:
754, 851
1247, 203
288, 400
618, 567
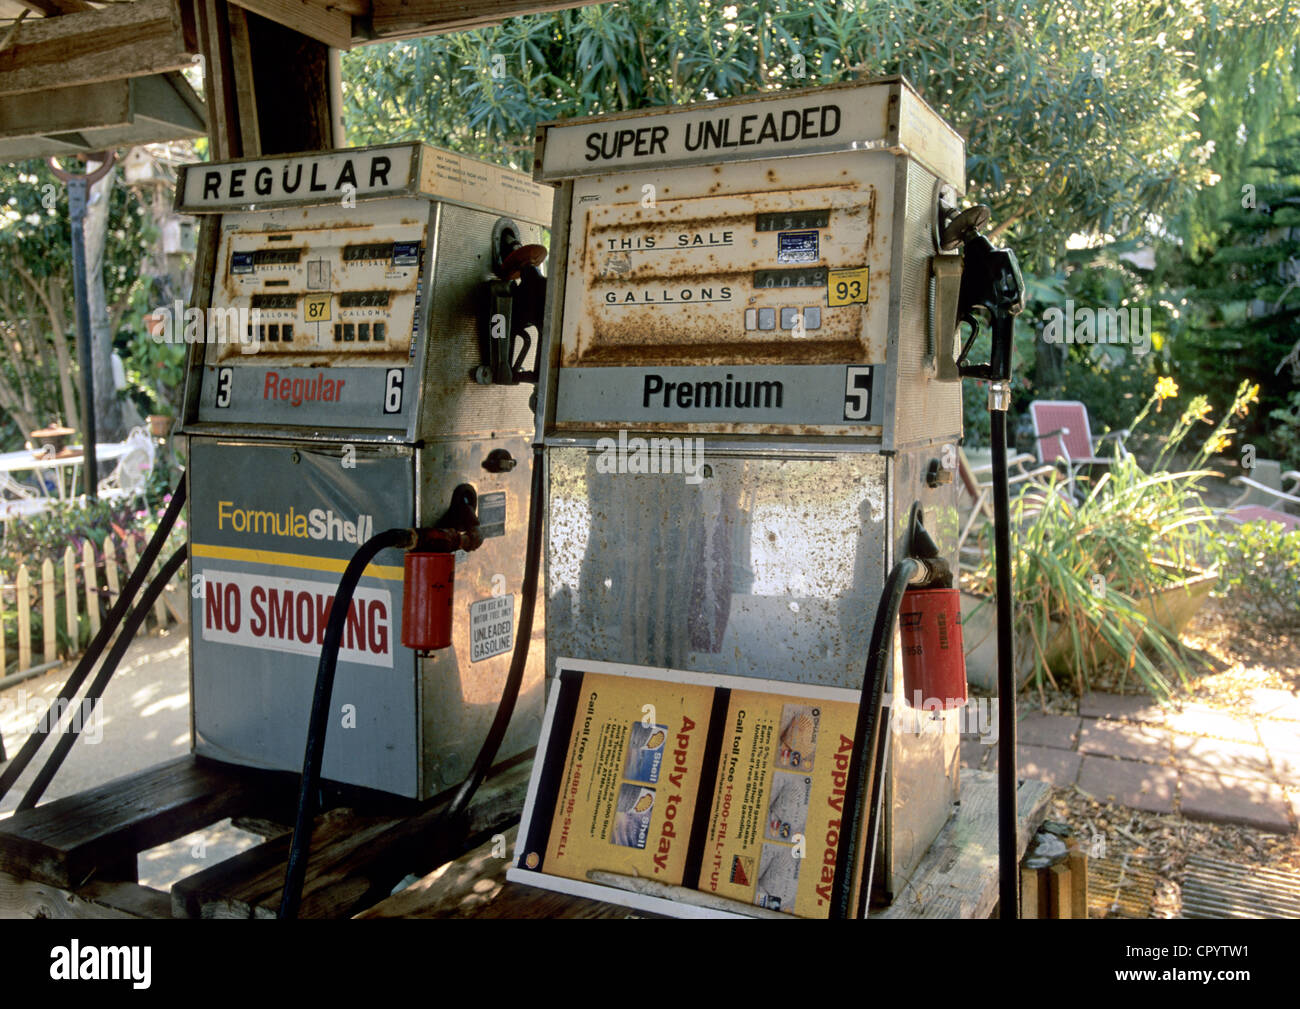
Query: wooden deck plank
63, 842
26, 898
958, 877
355, 860
474, 886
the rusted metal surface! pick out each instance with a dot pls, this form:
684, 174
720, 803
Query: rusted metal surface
768, 567
328, 241
681, 282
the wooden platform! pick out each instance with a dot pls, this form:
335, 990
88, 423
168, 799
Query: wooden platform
956, 879
76, 857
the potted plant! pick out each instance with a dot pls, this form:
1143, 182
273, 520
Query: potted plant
1111, 579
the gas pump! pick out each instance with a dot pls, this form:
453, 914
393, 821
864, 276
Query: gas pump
777, 283
364, 365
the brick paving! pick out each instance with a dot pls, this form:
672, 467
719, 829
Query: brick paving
1200, 761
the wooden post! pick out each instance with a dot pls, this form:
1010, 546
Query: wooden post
4, 661
291, 86
70, 600
92, 585
1079, 883
50, 630
1028, 893
1058, 882
24, 588
110, 571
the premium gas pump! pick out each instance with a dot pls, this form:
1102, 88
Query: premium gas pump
365, 365
766, 290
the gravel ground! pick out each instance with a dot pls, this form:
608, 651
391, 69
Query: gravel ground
1241, 660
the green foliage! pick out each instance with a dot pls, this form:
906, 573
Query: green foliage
1068, 130
1082, 571
37, 314
1286, 431
1257, 577
68, 524
1248, 293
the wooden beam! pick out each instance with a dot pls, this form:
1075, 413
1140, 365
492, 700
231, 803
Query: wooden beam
213, 27
406, 18
122, 40
241, 56
330, 25
26, 898
53, 8
291, 84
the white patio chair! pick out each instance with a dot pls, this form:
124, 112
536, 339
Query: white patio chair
131, 474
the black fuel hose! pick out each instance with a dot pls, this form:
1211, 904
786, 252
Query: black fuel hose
97, 686
318, 724
1008, 858
867, 759
519, 658
96, 647
298, 850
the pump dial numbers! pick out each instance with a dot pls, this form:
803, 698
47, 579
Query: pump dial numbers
847, 287
225, 379
857, 392
393, 390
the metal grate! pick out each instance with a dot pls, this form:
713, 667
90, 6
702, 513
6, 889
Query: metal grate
1119, 889
1216, 889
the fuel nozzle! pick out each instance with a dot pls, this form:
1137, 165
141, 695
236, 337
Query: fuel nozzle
516, 300
990, 284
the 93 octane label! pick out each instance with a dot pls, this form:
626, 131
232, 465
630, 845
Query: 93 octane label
491, 627
846, 287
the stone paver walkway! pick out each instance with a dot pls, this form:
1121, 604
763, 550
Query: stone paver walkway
1200, 761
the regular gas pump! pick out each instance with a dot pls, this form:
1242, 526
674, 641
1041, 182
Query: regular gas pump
351, 381
750, 406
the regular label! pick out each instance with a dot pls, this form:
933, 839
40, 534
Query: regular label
491, 627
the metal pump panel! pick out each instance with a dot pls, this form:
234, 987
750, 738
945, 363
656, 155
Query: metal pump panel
339, 297
758, 285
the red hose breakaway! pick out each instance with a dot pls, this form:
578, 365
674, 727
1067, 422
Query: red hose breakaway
427, 600
934, 665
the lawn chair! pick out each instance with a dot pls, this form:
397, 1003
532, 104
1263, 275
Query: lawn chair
1267, 492
130, 476
977, 481
1063, 435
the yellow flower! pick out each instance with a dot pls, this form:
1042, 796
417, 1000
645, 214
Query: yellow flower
1218, 443
1166, 388
1251, 396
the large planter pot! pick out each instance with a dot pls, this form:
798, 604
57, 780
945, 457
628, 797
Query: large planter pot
1171, 608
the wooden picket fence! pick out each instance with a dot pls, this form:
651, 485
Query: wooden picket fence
35, 589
